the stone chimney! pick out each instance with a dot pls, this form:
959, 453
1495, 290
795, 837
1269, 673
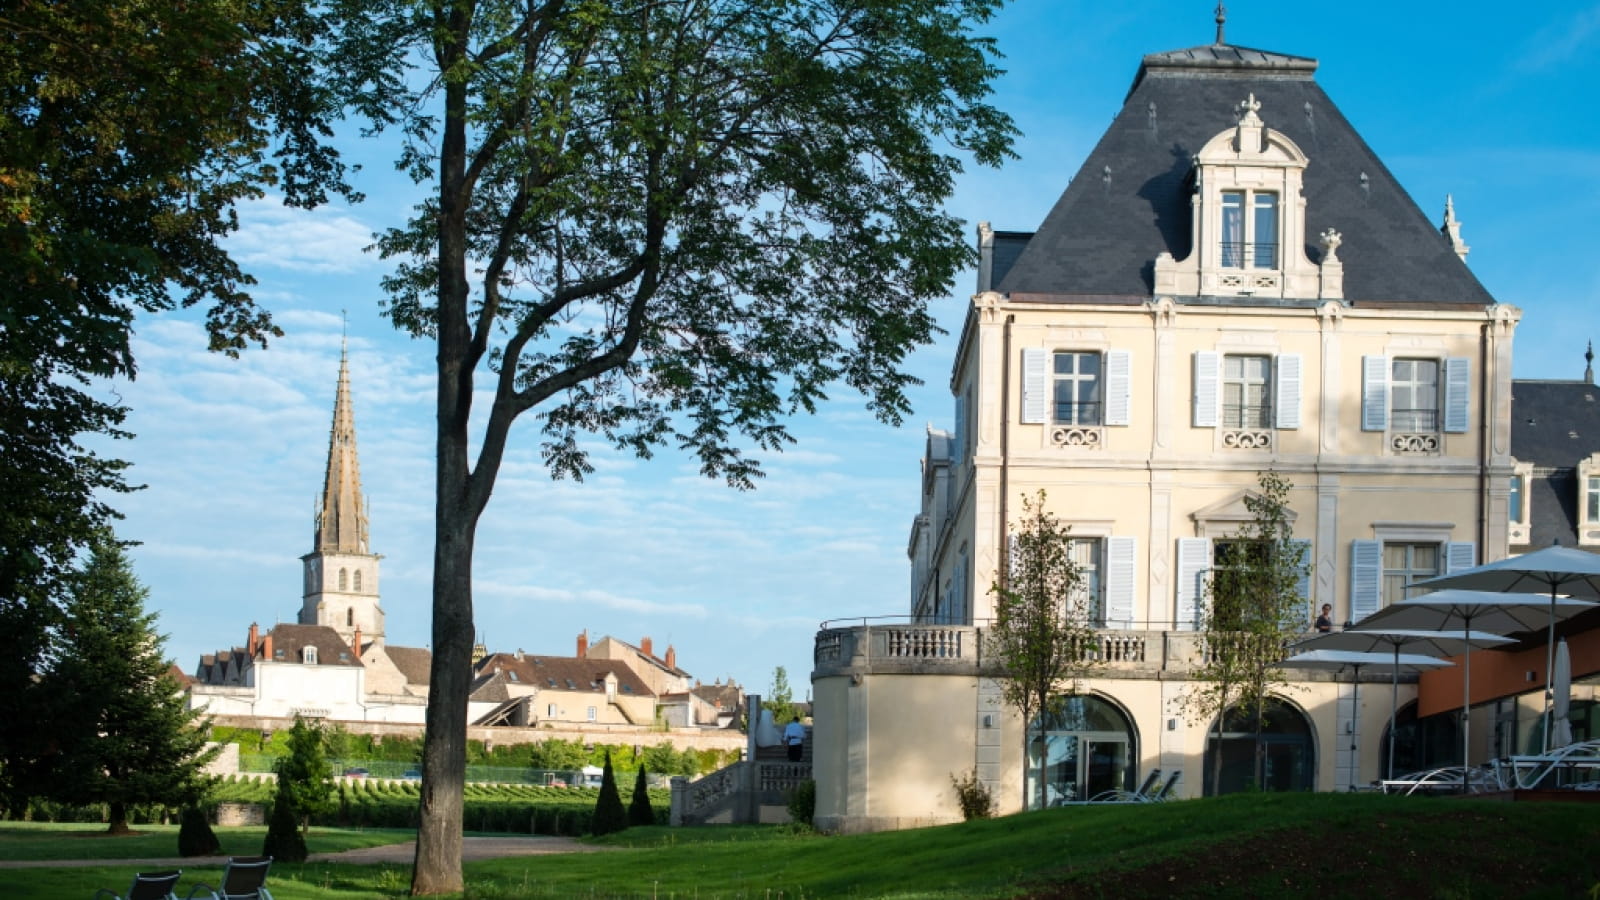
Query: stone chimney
644, 646
355, 642
672, 657
253, 640
583, 644
266, 646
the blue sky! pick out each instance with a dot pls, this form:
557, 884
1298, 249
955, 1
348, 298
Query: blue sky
1491, 103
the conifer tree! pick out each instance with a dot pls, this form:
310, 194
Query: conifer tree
639, 809
122, 732
609, 816
305, 775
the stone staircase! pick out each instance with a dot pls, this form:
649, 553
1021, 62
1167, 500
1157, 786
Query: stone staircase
747, 792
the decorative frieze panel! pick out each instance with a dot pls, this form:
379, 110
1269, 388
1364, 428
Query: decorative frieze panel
1424, 444
1091, 436
1247, 439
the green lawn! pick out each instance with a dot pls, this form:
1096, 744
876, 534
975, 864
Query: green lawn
1319, 845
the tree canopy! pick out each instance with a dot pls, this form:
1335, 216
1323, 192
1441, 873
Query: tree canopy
657, 223
129, 131
121, 733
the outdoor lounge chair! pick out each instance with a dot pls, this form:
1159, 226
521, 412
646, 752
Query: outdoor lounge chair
244, 878
147, 886
1168, 790
1144, 794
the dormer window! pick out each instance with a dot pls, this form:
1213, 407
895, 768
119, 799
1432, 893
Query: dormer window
308, 655
1247, 224
1249, 241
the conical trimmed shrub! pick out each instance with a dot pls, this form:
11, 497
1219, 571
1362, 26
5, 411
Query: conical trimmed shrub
284, 841
639, 810
195, 837
609, 816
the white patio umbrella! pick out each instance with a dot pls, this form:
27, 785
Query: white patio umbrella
1561, 703
1372, 639
1553, 570
1338, 660
1456, 612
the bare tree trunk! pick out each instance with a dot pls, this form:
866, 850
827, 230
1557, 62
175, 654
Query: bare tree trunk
456, 509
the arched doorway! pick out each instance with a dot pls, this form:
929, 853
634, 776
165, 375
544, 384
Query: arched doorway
1088, 748
1421, 744
1291, 751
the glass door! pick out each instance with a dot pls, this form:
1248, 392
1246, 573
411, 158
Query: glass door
1105, 766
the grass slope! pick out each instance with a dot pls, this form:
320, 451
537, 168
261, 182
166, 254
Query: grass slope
1249, 845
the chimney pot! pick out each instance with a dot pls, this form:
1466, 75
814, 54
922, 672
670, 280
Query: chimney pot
672, 657
255, 638
644, 646
583, 643
355, 642
266, 645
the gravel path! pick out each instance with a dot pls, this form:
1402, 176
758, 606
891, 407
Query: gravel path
472, 849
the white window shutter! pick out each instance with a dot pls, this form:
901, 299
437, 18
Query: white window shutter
959, 435
1366, 578
1120, 558
1301, 618
1207, 398
1287, 390
1459, 556
1374, 393
1194, 561
1119, 387
1457, 393
1035, 386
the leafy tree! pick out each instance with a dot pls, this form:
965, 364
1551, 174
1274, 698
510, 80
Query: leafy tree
660, 223
1254, 609
123, 734
780, 698
128, 132
305, 779
1042, 632
195, 837
639, 810
609, 816
284, 841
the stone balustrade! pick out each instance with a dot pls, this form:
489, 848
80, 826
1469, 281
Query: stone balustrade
881, 648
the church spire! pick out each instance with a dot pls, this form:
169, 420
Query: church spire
342, 518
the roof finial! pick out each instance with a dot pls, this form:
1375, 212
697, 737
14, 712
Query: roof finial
1222, 19
1588, 359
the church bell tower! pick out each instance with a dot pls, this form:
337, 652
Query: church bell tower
341, 571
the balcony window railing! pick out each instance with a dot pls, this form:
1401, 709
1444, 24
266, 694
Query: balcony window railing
1078, 413
1415, 419
1236, 254
1246, 416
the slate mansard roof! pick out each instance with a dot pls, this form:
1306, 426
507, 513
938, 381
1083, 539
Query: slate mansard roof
1131, 199
1554, 425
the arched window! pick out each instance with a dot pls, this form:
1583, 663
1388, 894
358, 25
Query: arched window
342, 579
357, 581
1291, 753
1087, 749
350, 617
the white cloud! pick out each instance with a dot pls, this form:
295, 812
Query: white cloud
329, 239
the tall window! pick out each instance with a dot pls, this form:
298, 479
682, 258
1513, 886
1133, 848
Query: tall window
343, 577
1249, 240
350, 617
1405, 563
1086, 554
1076, 388
356, 580
1414, 395
1246, 391
591, 714
1591, 499
1517, 516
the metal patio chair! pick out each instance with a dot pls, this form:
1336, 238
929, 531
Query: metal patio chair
147, 886
244, 878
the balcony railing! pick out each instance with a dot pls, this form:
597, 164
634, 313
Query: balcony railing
1235, 255
877, 646
1414, 420
1077, 413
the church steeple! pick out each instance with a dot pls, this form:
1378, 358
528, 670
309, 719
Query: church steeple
341, 525
341, 571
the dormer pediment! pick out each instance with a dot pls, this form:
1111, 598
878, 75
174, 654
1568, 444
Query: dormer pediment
1248, 225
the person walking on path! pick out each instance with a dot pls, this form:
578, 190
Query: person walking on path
794, 737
